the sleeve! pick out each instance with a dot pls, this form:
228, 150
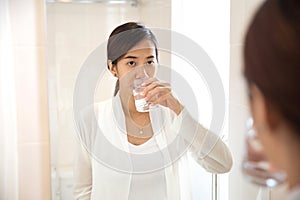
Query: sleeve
206, 148
82, 174
82, 165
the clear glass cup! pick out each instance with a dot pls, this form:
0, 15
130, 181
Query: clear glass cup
255, 166
140, 102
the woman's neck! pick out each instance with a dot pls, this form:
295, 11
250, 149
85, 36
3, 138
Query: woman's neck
138, 124
127, 101
130, 112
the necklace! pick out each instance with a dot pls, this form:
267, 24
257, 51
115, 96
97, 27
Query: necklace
140, 129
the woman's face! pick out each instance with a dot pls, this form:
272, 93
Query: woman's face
268, 134
138, 60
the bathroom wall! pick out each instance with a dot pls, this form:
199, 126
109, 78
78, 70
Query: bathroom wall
241, 13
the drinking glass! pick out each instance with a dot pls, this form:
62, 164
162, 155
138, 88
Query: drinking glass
139, 99
255, 166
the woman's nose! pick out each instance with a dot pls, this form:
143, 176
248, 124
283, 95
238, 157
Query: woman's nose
141, 72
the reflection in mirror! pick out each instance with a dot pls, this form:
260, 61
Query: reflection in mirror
173, 167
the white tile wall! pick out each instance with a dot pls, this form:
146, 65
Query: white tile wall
237, 21
27, 22
34, 170
30, 79
156, 13
28, 34
238, 89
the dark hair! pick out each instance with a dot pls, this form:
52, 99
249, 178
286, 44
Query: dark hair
272, 56
125, 37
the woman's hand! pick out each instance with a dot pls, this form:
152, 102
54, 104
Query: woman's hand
157, 92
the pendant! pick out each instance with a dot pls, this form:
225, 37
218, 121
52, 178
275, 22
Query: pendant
141, 131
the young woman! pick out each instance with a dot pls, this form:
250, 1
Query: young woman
142, 155
272, 70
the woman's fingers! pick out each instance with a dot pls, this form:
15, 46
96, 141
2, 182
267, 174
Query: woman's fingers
150, 85
161, 99
157, 90
149, 81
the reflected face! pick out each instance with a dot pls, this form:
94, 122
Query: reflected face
135, 63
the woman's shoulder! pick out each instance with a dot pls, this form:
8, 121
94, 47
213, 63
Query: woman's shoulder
95, 108
102, 105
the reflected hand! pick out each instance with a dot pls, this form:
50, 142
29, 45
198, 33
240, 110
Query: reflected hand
254, 152
157, 92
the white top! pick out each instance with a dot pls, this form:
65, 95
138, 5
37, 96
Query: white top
106, 169
150, 185
294, 194
149, 146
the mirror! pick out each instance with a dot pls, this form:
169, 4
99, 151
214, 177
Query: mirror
77, 29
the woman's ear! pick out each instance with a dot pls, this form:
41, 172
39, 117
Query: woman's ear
112, 68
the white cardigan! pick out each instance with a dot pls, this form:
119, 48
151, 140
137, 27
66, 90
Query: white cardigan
103, 169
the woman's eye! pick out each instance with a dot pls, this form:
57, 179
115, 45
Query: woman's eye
150, 62
131, 63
